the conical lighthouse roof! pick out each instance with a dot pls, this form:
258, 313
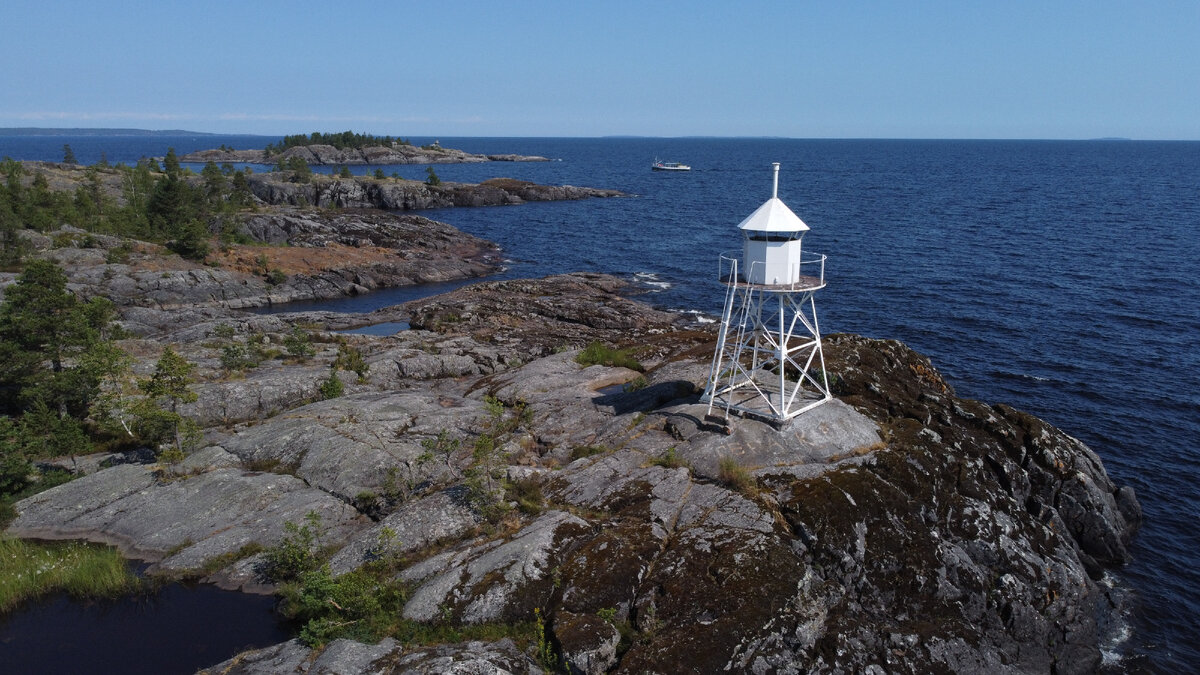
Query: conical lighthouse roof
773, 216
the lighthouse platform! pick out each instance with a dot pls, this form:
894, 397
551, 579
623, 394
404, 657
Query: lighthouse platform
807, 275
800, 285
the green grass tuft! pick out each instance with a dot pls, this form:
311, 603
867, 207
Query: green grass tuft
580, 451
30, 570
670, 460
737, 477
599, 354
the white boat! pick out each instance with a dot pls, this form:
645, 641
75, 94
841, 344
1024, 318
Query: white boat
669, 166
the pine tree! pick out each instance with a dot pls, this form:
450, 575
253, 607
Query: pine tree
45, 332
167, 386
172, 375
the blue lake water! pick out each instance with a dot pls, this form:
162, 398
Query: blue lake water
1058, 277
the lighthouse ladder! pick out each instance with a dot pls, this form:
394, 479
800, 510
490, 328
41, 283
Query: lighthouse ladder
714, 375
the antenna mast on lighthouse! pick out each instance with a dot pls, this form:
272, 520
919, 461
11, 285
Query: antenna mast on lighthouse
768, 362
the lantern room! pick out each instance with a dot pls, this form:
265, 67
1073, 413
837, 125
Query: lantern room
771, 245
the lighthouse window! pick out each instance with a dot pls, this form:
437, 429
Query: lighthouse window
772, 236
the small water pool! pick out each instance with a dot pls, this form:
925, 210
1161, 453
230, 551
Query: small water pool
179, 628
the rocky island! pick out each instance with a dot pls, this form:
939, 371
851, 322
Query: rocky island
525, 480
299, 238
391, 194
359, 150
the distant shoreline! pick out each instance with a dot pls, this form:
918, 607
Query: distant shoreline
84, 131
118, 132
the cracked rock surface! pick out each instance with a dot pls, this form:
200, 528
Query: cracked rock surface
899, 528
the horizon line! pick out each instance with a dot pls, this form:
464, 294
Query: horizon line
117, 131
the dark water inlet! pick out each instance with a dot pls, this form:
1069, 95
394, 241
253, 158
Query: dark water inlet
179, 628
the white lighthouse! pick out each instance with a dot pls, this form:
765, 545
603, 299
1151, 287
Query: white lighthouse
768, 362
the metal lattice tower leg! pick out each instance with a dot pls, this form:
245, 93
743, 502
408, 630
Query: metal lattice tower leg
769, 360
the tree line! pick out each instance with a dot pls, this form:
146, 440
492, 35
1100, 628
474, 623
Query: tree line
343, 140
158, 203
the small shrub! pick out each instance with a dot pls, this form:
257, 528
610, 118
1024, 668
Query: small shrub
431, 178
276, 277
297, 553
385, 556
332, 387
355, 605
445, 447
527, 493
393, 488
350, 358
298, 344
483, 479
171, 456
64, 240
119, 254
301, 171
192, 242
238, 357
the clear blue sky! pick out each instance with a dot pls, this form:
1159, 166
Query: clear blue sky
957, 69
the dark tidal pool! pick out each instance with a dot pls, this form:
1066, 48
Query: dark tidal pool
179, 628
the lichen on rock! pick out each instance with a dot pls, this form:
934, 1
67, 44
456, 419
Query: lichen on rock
898, 528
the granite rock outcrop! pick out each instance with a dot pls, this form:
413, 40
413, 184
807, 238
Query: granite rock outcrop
316, 255
405, 195
900, 528
379, 155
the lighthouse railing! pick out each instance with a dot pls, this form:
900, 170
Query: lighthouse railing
815, 262
812, 265
727, 267
802, 274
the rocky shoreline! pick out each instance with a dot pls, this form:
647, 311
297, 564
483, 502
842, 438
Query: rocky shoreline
327, 155
898, 528
318, 256
403, 195
284, 188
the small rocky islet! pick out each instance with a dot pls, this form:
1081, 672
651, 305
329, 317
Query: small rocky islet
319, 154
899, 528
